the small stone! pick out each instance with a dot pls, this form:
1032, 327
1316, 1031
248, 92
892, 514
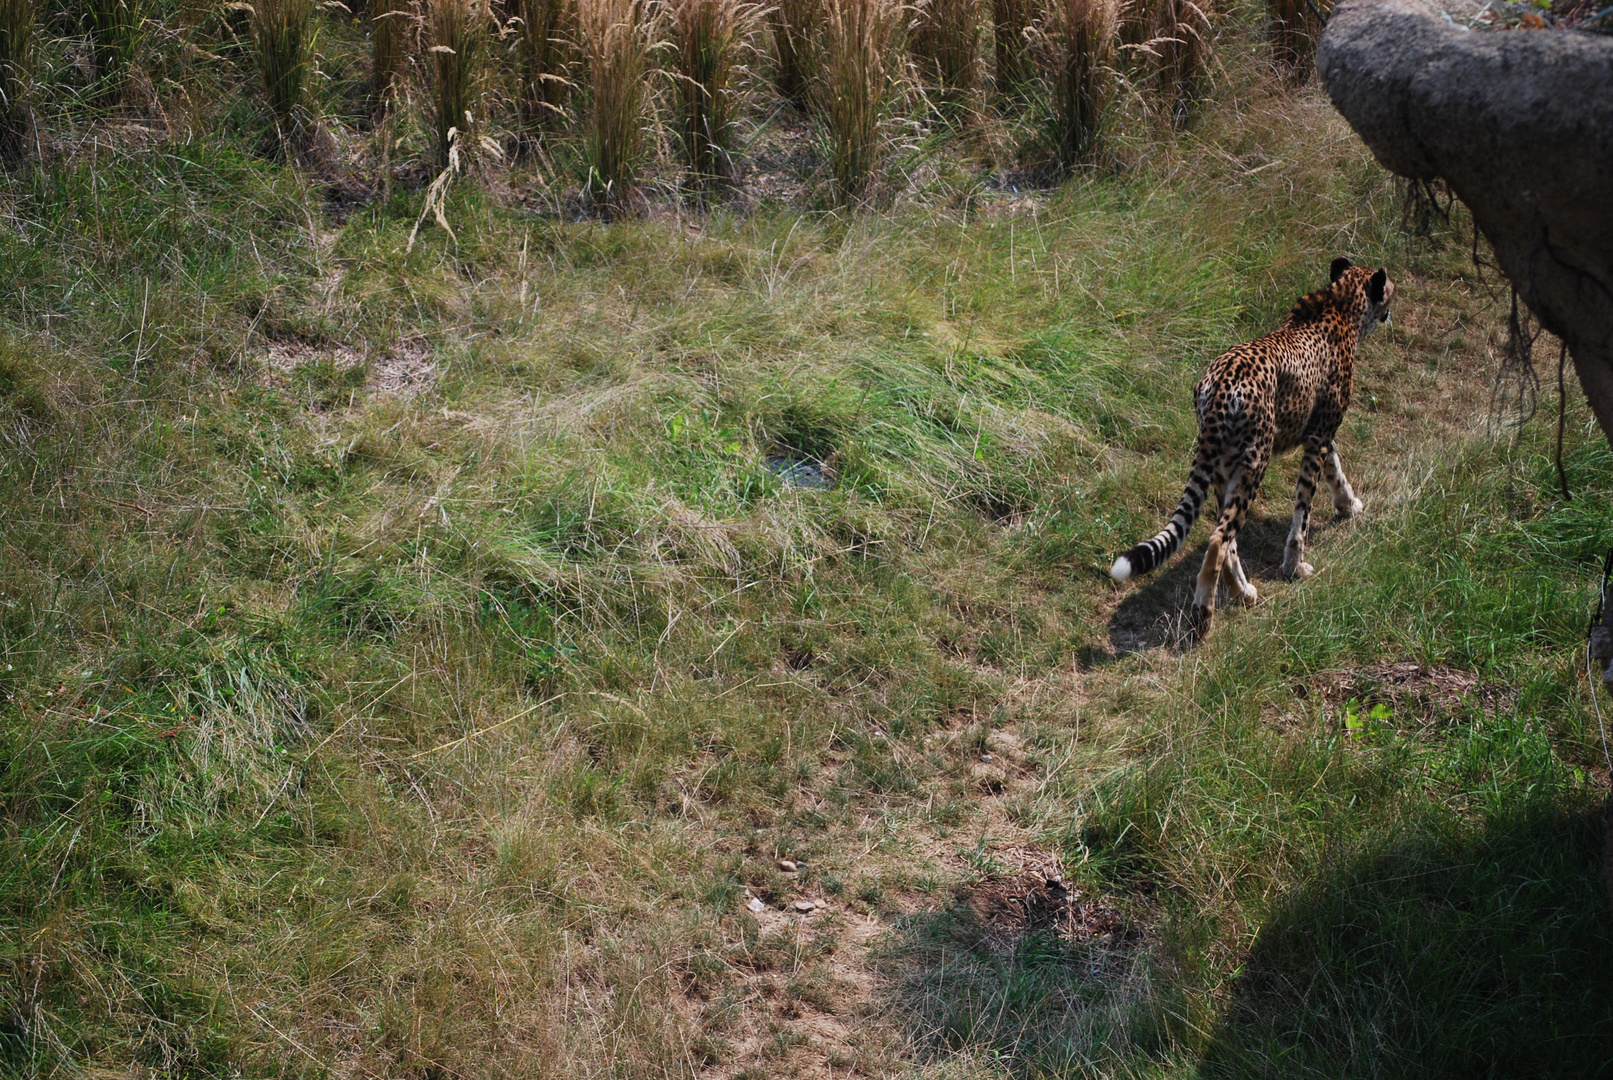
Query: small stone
788, 866
985, 757
755, 905
805, 906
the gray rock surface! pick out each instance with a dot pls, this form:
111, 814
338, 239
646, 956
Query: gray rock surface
1520, 125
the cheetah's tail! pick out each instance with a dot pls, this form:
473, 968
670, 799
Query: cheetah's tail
1151, 552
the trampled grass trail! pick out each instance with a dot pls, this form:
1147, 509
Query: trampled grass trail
681, 646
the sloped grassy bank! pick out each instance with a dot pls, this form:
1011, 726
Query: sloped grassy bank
413, 660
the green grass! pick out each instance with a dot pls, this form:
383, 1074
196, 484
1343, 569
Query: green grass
447, 732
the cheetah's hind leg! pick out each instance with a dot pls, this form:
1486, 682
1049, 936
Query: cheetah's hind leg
1236, 581
1345, 504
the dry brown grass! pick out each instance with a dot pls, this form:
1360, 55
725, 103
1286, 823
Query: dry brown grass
1076, 46
859, 42
1011, 22
945, 39
545, 48
616, 38
456, 43
796, 25
706, 38
1294, 31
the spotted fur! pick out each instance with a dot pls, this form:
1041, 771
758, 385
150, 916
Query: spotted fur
1285, 390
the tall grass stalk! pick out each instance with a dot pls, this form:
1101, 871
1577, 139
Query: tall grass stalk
1180, 37
797, 25
16, 63
544, 50
859, 37
282, 30
616, 38
1011, 19
1294, 30
457, 32
114, 27
1077, 45
391, 22
946, 41
706, 37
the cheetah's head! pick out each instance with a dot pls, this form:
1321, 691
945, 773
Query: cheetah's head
1379, 291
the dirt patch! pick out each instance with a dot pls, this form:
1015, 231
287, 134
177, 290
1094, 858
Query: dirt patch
1038, 898
1432, 691
406, 370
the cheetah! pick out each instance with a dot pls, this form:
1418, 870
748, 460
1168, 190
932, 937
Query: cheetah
1284, 390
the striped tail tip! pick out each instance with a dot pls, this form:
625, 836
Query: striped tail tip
1121, 570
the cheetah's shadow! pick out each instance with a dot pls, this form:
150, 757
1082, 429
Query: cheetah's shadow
1155, 615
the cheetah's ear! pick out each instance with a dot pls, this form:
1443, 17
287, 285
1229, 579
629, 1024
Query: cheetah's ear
1376, 285
1340, 265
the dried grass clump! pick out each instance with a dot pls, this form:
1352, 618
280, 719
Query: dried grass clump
859, 37
457, 31
544, 50
16, 63
1295, 27
390, 24
946, 42
797, 25
282, 31
706, 38
114, 27
616, 41
1076, 42
1011, 22
1180, 39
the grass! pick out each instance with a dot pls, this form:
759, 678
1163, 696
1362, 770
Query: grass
115, 28
16, 65
412, 662
391, 23
796, 25
706, 38
1294, 30
1010, 20
544, 46
946, 40
859, 42
1077, 46
456, 32
283, 35
616, 39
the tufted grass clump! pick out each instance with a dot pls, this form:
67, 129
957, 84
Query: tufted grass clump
797, 26
859, 41
1180, 39
283, 34
16, 65
1076, 43
544, 48
456, 36
616, 40
945, 39
1011, 20
1295, 29
115, 28
392, 24
706, 38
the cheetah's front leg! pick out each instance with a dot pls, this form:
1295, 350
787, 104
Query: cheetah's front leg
1294, 564
1344, 500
